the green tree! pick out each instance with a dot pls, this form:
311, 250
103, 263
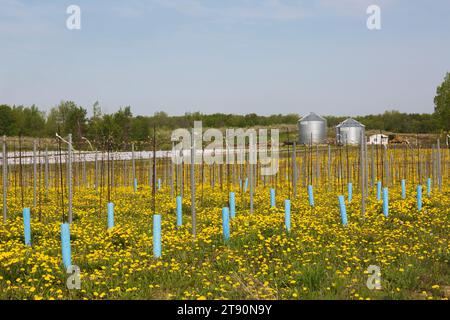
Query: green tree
123, 119
96, 110
442, 103
95, 122
33, 122
67, 118
7, 122
140, 129
109, 129
27, 121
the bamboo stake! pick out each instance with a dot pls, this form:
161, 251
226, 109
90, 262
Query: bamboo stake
69, 177
194, 214
34, 175
5, 180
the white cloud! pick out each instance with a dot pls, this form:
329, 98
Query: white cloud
21, 20
237, 10
13, 9
269, 10
278, 10
130, 9
352, 7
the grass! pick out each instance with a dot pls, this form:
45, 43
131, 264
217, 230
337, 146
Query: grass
318, 259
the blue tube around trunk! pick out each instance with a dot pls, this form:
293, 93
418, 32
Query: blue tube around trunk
428, 186
159, 184
226, 223
232, 205
65, 245
419, 198
350, 191
287, 215
311, 195
135, 184
27, 226
110, 215
272, 198
246, 185
343, 210
386, 202
179, 212
378, 190
157, 236
403, 189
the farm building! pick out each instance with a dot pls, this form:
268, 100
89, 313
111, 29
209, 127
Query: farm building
378, 139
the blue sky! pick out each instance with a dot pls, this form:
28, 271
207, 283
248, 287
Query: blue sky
262, 56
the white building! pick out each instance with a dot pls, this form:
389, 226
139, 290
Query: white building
378, 139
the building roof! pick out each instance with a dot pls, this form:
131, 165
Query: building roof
312, 117
350, 123
379, 134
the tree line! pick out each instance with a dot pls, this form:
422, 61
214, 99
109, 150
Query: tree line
122, 127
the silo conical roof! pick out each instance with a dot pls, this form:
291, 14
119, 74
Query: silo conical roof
350, 123
312, 117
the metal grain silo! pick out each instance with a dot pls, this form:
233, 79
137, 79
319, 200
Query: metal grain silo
349, 132
312, 129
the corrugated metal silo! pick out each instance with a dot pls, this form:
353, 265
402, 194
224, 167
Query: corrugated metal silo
349, 132
312, 129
